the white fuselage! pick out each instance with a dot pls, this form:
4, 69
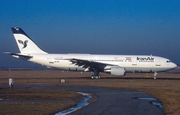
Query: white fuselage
116, 65
131, 63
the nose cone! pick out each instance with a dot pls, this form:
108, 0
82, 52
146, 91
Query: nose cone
174, 65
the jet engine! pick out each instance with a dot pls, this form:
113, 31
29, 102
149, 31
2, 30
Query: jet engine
116, 70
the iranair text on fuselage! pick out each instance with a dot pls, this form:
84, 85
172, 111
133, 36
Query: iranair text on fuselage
145, 59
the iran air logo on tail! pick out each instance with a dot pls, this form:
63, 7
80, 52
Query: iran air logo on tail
23, 43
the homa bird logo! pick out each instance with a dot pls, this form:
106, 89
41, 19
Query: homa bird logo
23, 43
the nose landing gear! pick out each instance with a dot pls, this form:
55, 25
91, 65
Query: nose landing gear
155, 74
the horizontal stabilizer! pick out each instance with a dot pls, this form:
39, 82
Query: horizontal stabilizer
18, 55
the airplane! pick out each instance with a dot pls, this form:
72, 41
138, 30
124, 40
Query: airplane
117, 65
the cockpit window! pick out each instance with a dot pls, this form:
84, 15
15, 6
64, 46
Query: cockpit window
168, 61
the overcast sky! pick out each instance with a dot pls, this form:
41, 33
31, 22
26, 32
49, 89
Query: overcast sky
141, 27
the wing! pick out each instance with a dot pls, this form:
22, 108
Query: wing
89, 64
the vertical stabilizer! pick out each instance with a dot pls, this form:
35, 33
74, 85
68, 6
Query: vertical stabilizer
25, 43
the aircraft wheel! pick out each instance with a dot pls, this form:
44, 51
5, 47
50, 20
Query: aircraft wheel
96, 77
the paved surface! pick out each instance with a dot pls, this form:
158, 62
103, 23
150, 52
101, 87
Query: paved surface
113, 101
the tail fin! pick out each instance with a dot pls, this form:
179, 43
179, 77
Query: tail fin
24, 42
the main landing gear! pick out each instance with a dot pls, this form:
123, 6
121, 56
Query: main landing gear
96, 74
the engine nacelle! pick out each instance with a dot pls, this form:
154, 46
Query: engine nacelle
118, 71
